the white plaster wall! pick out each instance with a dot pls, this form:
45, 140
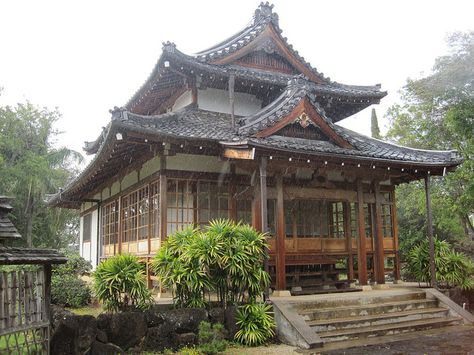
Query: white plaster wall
201, 163
129, 180
150, 167
88, 250
218, 101
182, 101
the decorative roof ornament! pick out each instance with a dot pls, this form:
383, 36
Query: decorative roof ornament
119, 113
169, 47
265, 11
304, 120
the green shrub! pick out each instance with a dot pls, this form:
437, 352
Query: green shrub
226, 258
69, 291
120, 283
211, 338
453, 269
189, 351
256, 324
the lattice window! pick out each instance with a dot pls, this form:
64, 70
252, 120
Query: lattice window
387, 221
213, 202
143, 213
337, 220
110, 214
155, 205
129, 216
244, 204
306, 218
181, 200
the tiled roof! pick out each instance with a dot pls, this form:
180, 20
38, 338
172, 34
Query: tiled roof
7, 229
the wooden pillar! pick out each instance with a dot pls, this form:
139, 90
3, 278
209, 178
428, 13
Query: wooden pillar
348, 236
232, 204
429, 215
263, 194
378, 252
280, 237
47, 299
396, 264
256, 208
361, 248
163, 200
120, 220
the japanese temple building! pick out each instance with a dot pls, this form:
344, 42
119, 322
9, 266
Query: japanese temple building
247, 130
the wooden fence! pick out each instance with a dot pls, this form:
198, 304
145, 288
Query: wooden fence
24, 310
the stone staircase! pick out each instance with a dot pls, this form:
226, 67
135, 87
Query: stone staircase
356, 318
338, 320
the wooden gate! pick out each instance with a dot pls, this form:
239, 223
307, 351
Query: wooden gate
24, 311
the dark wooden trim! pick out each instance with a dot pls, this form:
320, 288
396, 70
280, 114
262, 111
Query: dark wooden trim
119, 232
429, 221
396, 266
361, 248
305, 107
263, 194
348, 236
378, 238
280, 237
163, 199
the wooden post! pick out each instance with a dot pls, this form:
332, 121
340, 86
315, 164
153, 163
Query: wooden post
119, 225
348, 236
263, 210
232, 204
361, 248
280, 237
47, 299
396, 264
429, 215
163, 201
378, 252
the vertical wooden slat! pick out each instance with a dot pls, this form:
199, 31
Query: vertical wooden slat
280, 237
379, 252
21, 298
361, 247
429, 216
14, 290
163, 209
47, 298
256, 208
396, 264
2, 303
348, 236
263, 210
26, 297
6, 300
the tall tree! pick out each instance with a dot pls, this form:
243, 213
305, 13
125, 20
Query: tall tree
374, 125
437, 112
30, 168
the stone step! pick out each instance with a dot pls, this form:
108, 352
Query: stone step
310, 314
388, 329
378, 319
356, 299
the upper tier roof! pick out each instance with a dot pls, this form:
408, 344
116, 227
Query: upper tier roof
225, 59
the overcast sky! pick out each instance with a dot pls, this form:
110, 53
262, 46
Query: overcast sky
85, 57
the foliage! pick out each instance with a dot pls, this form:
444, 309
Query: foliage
374, 125
120, 283
30, 168
226, 258
188, 351
211, 338
256, 324
67, 288
453, 269
437, 112
69, 291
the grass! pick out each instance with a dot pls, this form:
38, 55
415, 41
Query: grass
87, 311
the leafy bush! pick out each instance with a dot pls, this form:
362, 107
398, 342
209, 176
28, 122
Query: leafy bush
211, 338
226, 258
256, 324
120, 283
70, 291
453, 269
67, 288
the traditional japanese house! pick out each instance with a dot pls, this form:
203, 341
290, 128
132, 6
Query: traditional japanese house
247, 130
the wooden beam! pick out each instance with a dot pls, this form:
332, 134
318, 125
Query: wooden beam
348, 236
396, 264
263, 194
429, 217
361, 248
378, 238
280, 237
163, 200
